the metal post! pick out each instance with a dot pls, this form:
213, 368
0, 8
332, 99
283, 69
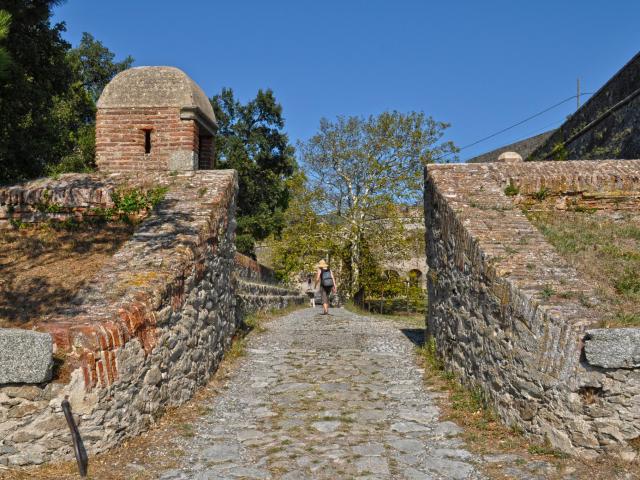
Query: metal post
78, 446
578, 95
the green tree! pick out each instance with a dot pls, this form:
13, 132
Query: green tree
363, 169
251, 140
306, 237
5, 58
37, 74
93, 66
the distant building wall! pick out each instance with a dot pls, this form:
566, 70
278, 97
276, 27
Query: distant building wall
523, 147
605, 127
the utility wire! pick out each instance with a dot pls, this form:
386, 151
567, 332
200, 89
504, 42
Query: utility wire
515, 124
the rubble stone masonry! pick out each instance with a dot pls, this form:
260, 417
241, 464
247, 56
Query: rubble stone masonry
492, 323
151, 326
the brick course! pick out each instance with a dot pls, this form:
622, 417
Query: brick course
120, 138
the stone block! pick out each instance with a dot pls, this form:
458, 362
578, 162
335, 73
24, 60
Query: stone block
25, 356
613, 347
183, 160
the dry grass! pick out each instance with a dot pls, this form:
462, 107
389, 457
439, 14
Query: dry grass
41, 268
484, 433
605, 248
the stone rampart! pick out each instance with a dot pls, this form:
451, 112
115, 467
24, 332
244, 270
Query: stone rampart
249, 269
258, 290
492, 322
143, 335
73, 195
606, 126
150, 328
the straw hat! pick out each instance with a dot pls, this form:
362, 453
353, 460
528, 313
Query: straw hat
322, 264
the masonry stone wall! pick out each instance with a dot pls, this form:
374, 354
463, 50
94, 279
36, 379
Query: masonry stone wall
258, 290
523, 147
72, 195
606, 126
143, 336
492, 324
150, 328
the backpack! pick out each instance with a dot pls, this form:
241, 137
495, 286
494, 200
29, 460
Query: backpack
325, 278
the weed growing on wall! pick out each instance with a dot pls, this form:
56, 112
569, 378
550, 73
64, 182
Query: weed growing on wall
541, 194
132, 203
511, 190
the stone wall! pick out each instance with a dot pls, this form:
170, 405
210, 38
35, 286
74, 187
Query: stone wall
492, 323
73, 195
149, 330
607, 126
249, 269
523, 147
258, 290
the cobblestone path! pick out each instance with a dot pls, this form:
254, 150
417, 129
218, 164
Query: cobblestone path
332, 397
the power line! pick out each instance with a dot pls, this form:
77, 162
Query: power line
515, 124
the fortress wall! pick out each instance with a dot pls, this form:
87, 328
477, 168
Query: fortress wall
143, 335
492, 324
258, 290
72, 195
150, 328
607, 125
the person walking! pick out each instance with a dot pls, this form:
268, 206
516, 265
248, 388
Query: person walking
324, 276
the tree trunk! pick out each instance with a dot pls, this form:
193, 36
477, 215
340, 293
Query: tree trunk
355, 265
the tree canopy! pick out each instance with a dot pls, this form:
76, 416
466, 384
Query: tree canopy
37, 74
48, 92
251, 140
5, 59
362, 173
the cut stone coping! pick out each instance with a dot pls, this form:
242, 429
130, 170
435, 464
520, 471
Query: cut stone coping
613, 347
25, 356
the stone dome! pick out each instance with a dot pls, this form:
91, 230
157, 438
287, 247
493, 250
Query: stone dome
510, 157
159, 87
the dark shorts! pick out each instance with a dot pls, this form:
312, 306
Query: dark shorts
325, 292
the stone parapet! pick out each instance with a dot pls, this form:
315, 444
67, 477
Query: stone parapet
25, 356
72, 195
492, 323
143, 335
249, 269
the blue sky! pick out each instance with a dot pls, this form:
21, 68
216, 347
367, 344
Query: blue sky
480, 65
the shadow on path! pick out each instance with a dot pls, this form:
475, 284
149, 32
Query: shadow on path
416, 335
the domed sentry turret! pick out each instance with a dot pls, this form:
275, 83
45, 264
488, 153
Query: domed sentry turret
154, 118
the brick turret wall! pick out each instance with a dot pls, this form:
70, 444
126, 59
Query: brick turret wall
120, 139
